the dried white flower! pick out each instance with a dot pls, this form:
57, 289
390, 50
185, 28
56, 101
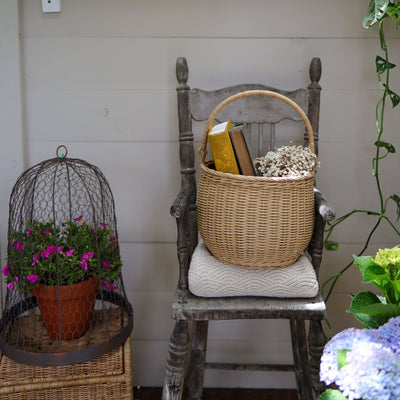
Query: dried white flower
287, 161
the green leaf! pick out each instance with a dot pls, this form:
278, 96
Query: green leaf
330, 245
363, 262
396, 288
388, 146
332, 394
341, 357
383, 312
376, 11
395, 98
381, 65
394, 12
358, 305
396, 199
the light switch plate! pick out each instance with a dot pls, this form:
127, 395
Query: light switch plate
51, 6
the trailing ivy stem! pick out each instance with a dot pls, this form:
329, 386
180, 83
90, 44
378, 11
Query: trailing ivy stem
338, 275
382, 113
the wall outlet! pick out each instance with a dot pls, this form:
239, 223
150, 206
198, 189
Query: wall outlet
51, 6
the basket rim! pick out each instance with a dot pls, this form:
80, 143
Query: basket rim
250, 178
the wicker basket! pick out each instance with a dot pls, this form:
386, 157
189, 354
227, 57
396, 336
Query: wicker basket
106, 377
255, 222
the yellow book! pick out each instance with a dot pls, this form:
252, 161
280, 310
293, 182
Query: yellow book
221, 148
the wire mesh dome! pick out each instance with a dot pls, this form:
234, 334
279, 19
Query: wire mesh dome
65, 300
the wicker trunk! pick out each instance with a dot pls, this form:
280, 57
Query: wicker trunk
106, 377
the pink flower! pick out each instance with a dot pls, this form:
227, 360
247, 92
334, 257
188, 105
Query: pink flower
28, 232
103, 225
84, 264
13, 283
32, 278
106, 265
19, 246
47, 232
6, 270
69, 252
88, 256
108, 285
85, 257
46, 252
78, 219
35, 258
60, 249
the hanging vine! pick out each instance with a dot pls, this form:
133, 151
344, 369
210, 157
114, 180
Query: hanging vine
378, 12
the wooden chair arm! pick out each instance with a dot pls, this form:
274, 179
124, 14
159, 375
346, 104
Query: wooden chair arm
322, 207
180, 204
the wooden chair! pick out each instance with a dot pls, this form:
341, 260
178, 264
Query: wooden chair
187, 350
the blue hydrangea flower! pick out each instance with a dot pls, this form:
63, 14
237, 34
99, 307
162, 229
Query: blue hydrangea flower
372, 370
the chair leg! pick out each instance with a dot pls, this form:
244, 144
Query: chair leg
300, 356
316, 344
195, 377
176, 362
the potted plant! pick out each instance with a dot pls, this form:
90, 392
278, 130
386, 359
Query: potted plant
63, 266
365, 363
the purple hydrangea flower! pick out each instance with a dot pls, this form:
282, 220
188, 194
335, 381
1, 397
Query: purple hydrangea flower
372, 370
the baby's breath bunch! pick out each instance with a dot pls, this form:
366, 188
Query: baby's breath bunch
287, 161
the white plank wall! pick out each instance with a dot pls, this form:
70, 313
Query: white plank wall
99, 77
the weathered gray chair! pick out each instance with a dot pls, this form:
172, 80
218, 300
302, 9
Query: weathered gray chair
187, 350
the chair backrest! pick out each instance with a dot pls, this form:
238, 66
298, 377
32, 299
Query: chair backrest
259, 114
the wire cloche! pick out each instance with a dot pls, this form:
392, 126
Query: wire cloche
65, 299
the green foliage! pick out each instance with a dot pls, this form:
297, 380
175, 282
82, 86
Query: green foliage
341, 357
383, 271
332, 394
61, 255
378, 12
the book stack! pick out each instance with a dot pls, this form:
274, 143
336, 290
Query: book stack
229, 149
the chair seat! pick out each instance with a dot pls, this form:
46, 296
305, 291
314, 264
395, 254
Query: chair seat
187, 306
209, 277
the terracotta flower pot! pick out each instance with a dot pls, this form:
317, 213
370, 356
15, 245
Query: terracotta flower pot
68, 317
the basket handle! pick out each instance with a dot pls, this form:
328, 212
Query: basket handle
248, 93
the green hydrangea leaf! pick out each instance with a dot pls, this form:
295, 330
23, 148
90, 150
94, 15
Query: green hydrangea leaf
332, 394
358, 305
341, 357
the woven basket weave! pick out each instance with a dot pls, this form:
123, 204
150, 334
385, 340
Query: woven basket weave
255, 222
106, 377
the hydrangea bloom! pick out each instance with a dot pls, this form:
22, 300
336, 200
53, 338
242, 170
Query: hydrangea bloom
372, 363
386, 257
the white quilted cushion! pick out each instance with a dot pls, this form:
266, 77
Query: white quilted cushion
209, 277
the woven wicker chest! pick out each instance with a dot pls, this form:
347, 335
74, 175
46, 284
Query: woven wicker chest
106, 377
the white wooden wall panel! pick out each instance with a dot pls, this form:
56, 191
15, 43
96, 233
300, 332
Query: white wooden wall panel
308, 18
99, 77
